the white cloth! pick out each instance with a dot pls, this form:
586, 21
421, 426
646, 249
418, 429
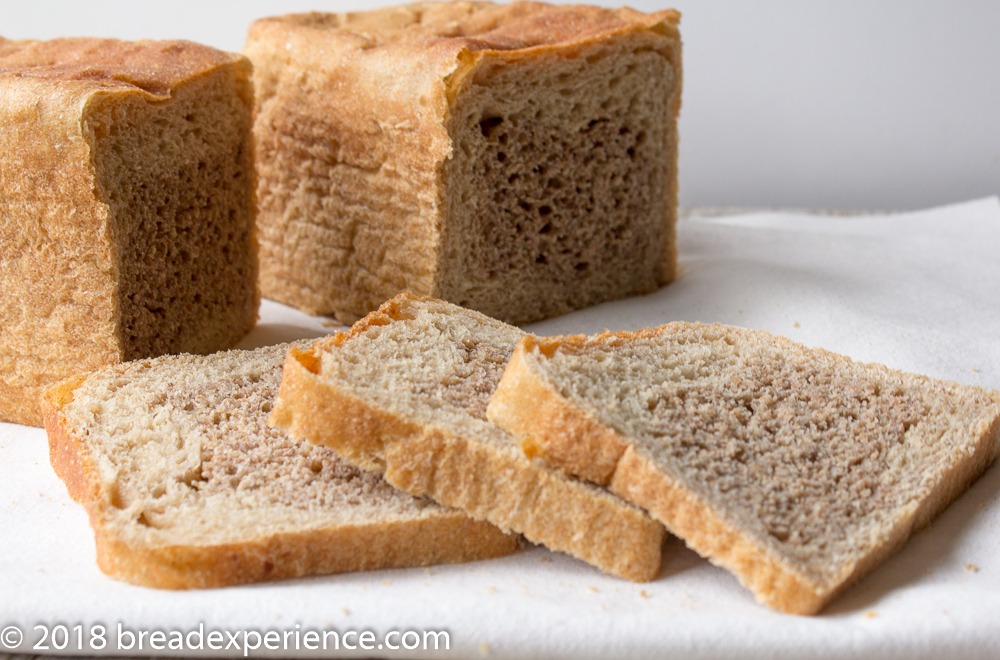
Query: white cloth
916, 291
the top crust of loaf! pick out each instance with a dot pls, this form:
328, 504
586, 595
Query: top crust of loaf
797, 469
109, 65
475, 26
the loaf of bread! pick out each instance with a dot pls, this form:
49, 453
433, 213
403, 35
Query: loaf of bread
796, 469
515, 159
187, 486
405, 393
126, 208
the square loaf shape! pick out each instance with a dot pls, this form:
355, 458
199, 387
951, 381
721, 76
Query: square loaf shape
515, 159
126, 208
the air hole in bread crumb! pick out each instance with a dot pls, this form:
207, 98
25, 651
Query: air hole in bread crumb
488, 125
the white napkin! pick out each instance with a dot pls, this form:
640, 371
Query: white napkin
915, 291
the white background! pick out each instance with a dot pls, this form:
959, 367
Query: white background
855, 104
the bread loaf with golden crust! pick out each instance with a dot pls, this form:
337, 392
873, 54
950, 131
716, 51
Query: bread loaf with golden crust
516, 159
127, 214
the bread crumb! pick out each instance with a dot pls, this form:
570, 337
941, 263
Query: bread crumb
387, 582
871, 614
972, 567
345, 610
491, 589
975, 369
592, 588
545, 559
645, 594
796, 325
927, 571
484, 649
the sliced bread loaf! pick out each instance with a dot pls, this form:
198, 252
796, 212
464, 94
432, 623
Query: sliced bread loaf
796, 469
186, 485
404, 392
518, 159
127, 219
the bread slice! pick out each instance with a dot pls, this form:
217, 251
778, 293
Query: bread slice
518, 159
187, 486
127, 231
796, 469
404, 393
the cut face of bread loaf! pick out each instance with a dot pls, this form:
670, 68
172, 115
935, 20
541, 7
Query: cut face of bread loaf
186, 485
127, 215
515, 159
796, 469
405, 392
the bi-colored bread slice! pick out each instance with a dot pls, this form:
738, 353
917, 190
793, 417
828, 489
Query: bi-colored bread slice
795, 468
186, 485
404, 392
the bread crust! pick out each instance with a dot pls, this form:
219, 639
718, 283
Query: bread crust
574, 439
503, 487
445, 536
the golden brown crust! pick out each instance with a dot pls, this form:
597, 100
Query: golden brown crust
551, 430
445, 537
65, 452
478, 26
109, 65
575, 439
507, 489
440, 537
